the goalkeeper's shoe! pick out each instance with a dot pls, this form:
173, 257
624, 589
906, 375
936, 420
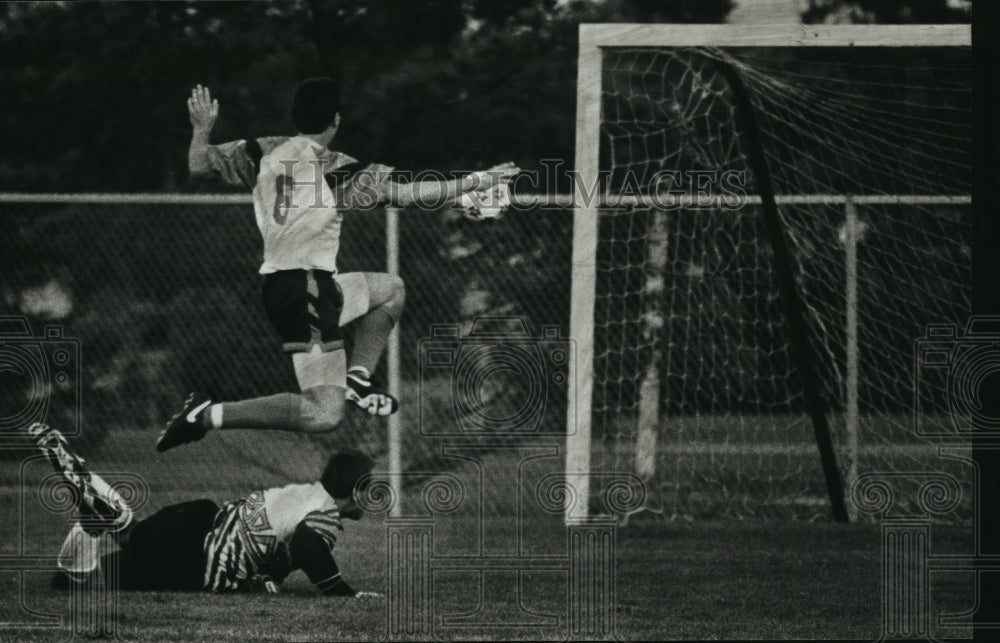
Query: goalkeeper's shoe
368, 394
190, 425
101, 507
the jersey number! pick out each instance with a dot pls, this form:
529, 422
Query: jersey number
282, 197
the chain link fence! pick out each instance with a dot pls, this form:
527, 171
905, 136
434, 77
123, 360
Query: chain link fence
122, 305
161, 296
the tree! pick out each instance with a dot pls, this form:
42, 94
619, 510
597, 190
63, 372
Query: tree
95, 107
91, 106
888, 11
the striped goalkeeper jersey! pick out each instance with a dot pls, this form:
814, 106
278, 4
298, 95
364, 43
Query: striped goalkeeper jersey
251, 536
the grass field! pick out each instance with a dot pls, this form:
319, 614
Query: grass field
729, 579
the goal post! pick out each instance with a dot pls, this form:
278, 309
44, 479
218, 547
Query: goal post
634, 81
584, 274
394, 446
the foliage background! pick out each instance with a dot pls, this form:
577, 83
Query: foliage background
165, 299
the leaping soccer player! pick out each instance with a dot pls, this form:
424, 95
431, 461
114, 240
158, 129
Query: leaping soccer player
251, 544
300, 190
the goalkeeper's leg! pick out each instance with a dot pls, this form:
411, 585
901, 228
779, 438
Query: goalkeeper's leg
100, 507
162, 552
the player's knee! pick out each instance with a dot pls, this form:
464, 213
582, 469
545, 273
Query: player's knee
398, 296
323, 409
322, 418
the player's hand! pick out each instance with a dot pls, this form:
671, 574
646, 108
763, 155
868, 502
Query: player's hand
202, 109
496, 175
349, 509
259, 584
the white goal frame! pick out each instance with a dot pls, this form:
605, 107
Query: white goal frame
593, 40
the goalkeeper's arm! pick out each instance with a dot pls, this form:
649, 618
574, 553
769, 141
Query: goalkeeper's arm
311, 552
404, 194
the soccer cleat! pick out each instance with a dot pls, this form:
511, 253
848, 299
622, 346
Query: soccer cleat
54, 446
187, 426
101, 507
367, 394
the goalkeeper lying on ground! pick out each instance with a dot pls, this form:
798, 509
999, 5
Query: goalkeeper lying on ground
250, 544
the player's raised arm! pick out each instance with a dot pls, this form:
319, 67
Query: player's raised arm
403, 194
203, 111
234, 163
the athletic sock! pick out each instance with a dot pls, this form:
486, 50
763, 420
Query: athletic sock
109, 503
360, 371
213, 416
282, 412
99, 504
370, 335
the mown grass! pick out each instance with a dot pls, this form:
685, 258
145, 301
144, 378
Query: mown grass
701, 580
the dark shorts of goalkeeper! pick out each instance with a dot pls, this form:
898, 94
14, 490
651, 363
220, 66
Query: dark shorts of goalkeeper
162, 552
305, 308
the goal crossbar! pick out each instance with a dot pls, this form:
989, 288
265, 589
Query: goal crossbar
776, 35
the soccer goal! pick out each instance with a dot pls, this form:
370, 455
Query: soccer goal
780, 211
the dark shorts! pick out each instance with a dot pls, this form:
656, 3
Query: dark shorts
304, 307
166, 550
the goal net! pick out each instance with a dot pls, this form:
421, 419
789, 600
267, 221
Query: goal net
699, 384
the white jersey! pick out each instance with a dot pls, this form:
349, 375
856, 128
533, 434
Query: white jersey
283, 172
273, 514
296, 210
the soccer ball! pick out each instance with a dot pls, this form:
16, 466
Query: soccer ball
486, 205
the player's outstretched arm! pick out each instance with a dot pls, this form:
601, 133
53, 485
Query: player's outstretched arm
203, 111
404, 194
